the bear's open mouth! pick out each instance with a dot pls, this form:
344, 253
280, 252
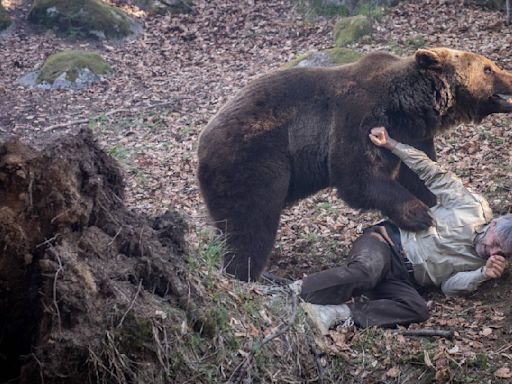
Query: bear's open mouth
503, 100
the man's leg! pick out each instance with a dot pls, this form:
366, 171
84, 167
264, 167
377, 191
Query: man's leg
368, 262
392, 302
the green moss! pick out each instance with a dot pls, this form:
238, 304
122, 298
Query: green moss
321, 8
296, 60
374, 12
91, 18
349, 30
337, 56
344, 55
5, 20
161, 7
136, 333
71, 62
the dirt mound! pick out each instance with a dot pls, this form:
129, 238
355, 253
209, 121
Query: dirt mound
87, 287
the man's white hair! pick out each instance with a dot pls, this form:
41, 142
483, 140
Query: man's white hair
503, 232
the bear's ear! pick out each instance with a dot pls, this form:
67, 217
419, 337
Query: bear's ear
427, 58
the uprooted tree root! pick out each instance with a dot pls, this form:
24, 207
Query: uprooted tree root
88, 289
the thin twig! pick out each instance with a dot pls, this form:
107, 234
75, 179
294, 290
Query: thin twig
115, 237
55, 290
504, 348
106, 114
47, 241
30, 185
41, 373
131, 304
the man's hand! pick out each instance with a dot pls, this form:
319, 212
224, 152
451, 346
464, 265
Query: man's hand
494, 267
379, 136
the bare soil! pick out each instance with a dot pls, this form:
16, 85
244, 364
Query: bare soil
82, 278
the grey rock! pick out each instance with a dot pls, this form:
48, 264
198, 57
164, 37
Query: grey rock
84, 79
317, 59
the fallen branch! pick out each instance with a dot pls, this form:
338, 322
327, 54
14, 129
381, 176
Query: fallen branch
504, 348
424, 332
240, 371
106, 114
316, 356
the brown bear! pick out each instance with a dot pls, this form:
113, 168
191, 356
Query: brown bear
290, 133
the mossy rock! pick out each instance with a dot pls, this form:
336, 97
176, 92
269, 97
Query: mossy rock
344, 7
67, 70
349, 30
161, 7
70, 63
327, 58
5, 20
88, 18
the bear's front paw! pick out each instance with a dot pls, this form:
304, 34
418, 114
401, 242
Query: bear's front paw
413, 216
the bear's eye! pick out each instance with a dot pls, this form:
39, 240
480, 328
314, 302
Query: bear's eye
487, 70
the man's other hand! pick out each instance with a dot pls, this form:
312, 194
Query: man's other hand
494, 266
379, 136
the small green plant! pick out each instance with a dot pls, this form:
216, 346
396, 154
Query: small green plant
371, 11
416, 42
321, 8
119, 152
213, 251
393, 46
349, 30
367, 339
480, 361
311, 237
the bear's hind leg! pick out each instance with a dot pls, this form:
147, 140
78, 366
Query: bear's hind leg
249, 241
248, 214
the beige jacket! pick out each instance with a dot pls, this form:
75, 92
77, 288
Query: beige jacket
444, 255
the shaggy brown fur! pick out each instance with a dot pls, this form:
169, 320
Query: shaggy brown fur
293, 132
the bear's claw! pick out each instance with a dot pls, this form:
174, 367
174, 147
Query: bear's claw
414, 216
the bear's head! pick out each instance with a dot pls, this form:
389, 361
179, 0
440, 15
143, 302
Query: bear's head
478, 86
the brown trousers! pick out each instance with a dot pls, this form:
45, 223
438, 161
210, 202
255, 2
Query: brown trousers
376, 270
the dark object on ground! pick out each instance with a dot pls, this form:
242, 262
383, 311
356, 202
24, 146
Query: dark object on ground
5, 20
425, 332
291, 133
86, 286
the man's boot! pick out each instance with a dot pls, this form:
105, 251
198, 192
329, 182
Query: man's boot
324, 317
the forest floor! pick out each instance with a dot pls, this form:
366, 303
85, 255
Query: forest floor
172, 78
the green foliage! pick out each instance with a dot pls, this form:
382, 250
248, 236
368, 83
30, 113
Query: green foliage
371, 11
89, 18
296, 60
71, 62
119, 152
344, 55
416, 42
321, 8
5, 20
349, 30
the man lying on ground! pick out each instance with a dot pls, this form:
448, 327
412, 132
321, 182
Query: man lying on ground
387, 265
